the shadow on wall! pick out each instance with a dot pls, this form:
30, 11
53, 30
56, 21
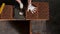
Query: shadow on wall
53, 25
21, 26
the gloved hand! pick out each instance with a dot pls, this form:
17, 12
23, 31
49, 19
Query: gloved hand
31, 8
20, 3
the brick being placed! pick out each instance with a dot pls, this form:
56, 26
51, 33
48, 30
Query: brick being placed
41, 13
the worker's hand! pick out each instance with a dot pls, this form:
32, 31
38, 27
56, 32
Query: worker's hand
20, 3
31, 8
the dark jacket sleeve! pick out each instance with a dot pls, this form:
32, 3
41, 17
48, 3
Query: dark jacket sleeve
8, 2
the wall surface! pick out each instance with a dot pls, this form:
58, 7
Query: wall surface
14, 27
6, 28
38, 27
